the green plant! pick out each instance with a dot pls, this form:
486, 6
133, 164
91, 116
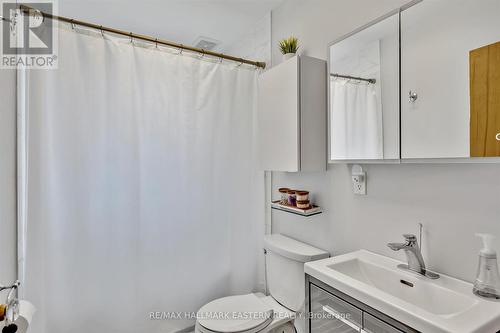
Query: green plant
289, 45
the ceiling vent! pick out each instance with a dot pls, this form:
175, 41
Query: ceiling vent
206, 43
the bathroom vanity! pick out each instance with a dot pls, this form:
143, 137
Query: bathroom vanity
366, 292
333, 311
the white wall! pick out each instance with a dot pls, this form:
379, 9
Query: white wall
8, 232
177, 20
453, 201
254, 44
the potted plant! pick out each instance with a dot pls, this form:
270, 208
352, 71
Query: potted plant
289, 47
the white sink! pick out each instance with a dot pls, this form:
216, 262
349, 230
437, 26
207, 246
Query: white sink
429, 296
443, 305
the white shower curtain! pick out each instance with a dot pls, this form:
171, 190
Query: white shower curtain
356, 121
142, 191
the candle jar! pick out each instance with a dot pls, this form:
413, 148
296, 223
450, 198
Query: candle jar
292, 198
284, 195
302, 195
303, 204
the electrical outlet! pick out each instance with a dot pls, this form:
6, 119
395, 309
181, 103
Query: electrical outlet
358, 180
359, 183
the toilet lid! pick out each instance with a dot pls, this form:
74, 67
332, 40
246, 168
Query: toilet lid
235, 314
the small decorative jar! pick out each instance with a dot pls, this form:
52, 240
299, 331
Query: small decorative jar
303, 204
302, 195
292, 198
284, 195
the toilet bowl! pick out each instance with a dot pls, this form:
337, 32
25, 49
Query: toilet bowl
257, 313
249, 313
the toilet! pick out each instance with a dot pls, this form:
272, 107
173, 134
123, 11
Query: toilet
252, 313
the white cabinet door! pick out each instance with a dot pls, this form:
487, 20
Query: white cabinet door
437, 37
278, 118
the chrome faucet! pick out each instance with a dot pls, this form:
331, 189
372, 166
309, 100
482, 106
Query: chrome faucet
414, 255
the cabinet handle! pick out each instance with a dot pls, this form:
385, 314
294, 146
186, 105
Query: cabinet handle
338, 316
413, 96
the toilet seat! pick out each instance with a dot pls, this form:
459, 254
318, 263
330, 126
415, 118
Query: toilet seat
242, 314
266, 306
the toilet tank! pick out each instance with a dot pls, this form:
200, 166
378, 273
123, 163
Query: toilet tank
285, 258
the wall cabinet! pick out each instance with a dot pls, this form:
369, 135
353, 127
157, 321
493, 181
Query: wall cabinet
292, 116
334, 312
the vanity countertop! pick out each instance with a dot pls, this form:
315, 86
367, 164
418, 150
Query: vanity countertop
431, 306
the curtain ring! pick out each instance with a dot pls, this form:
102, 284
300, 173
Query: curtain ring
202, 54
181, 49
72, 22
102, 31
156, 42
221, 60
131, 38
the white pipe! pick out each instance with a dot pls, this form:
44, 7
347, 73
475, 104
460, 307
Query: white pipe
22, 179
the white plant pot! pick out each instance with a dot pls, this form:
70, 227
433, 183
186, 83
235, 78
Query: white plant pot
288, 56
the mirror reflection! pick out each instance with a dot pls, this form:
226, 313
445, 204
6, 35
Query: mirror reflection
451, 79
364, 94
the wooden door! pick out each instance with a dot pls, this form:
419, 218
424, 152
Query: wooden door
485, 101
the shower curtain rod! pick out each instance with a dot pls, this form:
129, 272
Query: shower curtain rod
157, 41
372, 81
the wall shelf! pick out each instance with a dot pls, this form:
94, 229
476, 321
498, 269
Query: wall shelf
314, 210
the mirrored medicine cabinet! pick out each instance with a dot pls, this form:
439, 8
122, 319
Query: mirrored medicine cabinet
422, 82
